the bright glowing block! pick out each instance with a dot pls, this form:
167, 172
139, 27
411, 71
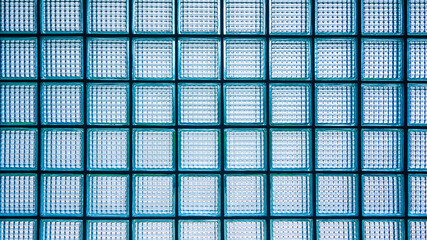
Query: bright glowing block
199, 58
290, 16
200, 16
153, 229
199, 149
382, 17
199, 230
18, 149
417, 20
244, 59
19, 58
337, 229
107, 16
417, 59
383, 229
417, 229
382, 150
107, 229
291, 229
153, 16
245, 17
18, 16
61, 229
251, 188
417, 150
107, 149
245, 229
18, 194
417, 195
154, 104
382, 59
335, 16
18, 229
62, 16
245, 149
417, 104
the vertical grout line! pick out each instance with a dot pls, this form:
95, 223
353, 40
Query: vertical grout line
85, 117
222, 117
39, 113
130, 116
313, 115
176, 140
405, 119
267, 120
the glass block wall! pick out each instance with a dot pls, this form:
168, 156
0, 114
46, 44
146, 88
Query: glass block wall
209, 119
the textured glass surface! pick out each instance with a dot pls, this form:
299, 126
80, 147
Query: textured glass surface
417, 195
417, 59
245, 149
107, 229
417, 229
251, 188
417, 150
18, 16
381, 17
106, 16
245, 229
382, 59
18, 194
62, 16
291, 195
337, 17
199, 229
18, 58
153, 229
417, 19
290, 59
417, 104
199, 58
244, 17
18, 229
199, 149
337, 229
154, 104
153, 16
291, 229
18, 149
290, 16
383, 229
18, 103
199, 16
244, 59
61, 229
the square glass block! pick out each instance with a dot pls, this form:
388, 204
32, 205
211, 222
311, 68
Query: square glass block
290, 17
62, 58
290, 149
199, 195
417, 149
341, 229
382, 105
62, 103
417, 104
335, 17
18, 149
382, 59
199, 104
383, 229
61, 229
18, 58
153, 229
154, 59
107, 104
290, 59
335, 59
153, 149
154, 195
245, 149
154, 104
251, 188
107, 16
337, 195
244, 17
417, 20
18, 195
200, 16
244, 59
381, 17
107, 229
199, 149
18, 229
244, 103
18, 16
153, 16
417, 195
417, 59
18, 103
336, 104
295, 229
382, 195
417, 229
382, 150
245, 229
199, 230
62, 16
107, 149
107, 195
62, 195
291, 195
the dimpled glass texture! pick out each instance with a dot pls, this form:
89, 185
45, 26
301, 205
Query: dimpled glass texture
335, 16
18, 58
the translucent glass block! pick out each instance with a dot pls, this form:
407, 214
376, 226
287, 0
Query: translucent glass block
417, 104
19, 58
244, 17
153, 229
417, 20
290, 59
199, 104
153, 149
337, 195
245, 149
107, 104
18, 149
417, 229
61, 229
154, 104
245, 229
107, 195
382, 104
153, 59
18, 229
199, 230
199, 149
62, 195
107, 149
290, 149
199, 195
107, 229
108, 58
417, 195
251, 188
290, 17
153, 16
62, 103
335, 59
392, 229
108, 16
154, 195
244, 59
18, 16
382, 59
417, 59
340, 229
382, 150
291, 229
244, 103
18, 194
381, 17
62, 16
62, 58
201, 16
291, 195
417, 149
18, 103
382, 195
335, 17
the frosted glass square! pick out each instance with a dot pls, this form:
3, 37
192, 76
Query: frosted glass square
244, 17
199, 16
290, 17
417, 229
199, 195
61, 229
18, 229
18, 149
244, 59
199, 230
291, 229
154, 195
244, 103
19, 58
199, 58
417, 195
245, 149
417, 149
251, 188
153, 229
18, 195
18, 103
382, 17
337, 229
153, 16
335, 17
336, 149
245, 229
290, 59
382, 59
18, 16
417, 104
107, 229
417, 19
383, 229
382, 150
417, 59
107, 16
291, 195
107, 149
199, 149
154, 104
62, 16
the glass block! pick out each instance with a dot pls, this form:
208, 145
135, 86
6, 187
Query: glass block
244, 17
154, 59
382, 59
201, 16
290, 59
245, 229
335, 59
18, 149
340, 229
199, 149
18, 16
19, 58
245, 149
244, 59
199, 58
107, 195
107, 104
382, 150
153, 16
382, 195
290, 17
417, 229
382, 104
199, 104
294, 229
417, 149
251, 188
107, 16
107, 229
337, 195
62, 195
290, 149
18, 194
417, 59
61, 229
199, 230
153, 229
199, 195
62, 103
417, 104
154, 104
381, 17
62, 16
107, 149
153, 149
62, 58
335, 17
154, 195
291, 195
383, 229
244, 103
18, 103
417, 195
417, 19
18, 229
